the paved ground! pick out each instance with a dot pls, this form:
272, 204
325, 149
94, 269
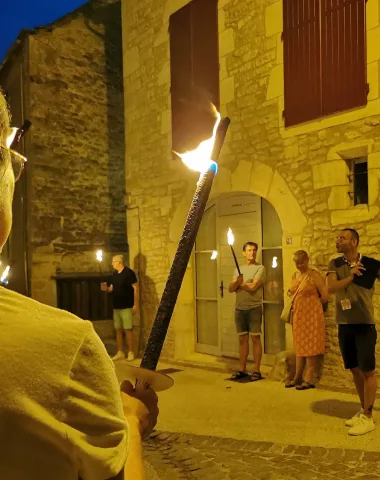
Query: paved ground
185, 457
210, 428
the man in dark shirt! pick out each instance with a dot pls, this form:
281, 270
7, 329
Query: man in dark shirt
352, 277
125, 293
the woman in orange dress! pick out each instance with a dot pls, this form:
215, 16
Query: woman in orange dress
309, 333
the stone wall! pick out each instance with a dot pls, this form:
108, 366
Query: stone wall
76, 173
301, 170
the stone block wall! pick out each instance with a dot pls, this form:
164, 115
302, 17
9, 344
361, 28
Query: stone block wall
76, 172
302, 170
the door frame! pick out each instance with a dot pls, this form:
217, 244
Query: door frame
267, 359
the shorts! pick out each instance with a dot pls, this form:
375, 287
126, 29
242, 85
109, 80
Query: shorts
122, 318
249, 321
357, 344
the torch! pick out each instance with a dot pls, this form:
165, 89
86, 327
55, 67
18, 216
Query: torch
99, 258
231, 240
203, 160
4, 275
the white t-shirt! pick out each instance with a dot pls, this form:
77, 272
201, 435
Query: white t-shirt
247, 300
61, 415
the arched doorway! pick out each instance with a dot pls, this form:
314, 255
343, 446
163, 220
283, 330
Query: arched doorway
252, 218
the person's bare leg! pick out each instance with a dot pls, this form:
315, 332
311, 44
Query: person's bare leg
243, 351
257, 351
369, 389
311, 363
300, 365
129, 338
359, 383
119, 339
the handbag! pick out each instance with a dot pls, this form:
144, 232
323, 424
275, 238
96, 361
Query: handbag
287, 311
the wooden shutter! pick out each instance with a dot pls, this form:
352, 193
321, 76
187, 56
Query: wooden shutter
181, 73
194, 62
302, 70
343, 35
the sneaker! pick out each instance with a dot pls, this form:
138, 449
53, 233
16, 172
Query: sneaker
131, 356
119, 356
362, 426
354, 420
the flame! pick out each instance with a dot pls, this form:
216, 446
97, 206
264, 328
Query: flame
200, 158
230, 237
214, 255
5, 274
99, 255
11, 137
274, 262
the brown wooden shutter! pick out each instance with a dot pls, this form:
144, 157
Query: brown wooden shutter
344, 70
194, 62
181, 73
302, 72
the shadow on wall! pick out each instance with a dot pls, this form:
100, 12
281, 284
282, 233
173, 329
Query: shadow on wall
107, 13
148, 300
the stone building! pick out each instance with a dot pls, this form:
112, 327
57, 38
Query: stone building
301, 160
66, 78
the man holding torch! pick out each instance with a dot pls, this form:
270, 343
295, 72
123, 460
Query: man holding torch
247, 284
63, 413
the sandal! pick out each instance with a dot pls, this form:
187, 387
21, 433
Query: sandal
305, 386
239, 375
291, 384
256, 376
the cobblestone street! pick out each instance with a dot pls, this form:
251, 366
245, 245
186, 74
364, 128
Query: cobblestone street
172, 456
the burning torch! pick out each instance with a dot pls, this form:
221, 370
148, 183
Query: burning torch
203, 160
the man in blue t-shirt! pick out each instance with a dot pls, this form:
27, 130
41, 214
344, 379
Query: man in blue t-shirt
248, 313
125, 297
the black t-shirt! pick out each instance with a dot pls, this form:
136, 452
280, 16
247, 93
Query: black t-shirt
123, 292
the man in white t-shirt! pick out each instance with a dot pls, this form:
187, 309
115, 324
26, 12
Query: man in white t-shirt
248, 313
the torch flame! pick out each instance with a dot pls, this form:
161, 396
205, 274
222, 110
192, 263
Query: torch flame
214, 255
274, 262
99, 255
5, 274
11, 137
230, 237
200, 158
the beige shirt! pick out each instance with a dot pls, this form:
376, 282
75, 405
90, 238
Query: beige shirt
61, 414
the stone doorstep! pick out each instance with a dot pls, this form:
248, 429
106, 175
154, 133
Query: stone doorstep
334, 454
224, 365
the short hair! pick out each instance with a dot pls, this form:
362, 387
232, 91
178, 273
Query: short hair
118, 258
300, 254
250, 244
354, 234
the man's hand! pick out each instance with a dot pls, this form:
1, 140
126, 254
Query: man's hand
357, 270
140, 403
104, 287
240, 280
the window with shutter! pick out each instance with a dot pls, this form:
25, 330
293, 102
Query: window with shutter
344, 82
324, 58
301, 61
194, 64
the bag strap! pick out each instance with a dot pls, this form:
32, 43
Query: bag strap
299, 286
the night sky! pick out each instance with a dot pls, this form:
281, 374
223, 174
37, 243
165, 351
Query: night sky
15, 16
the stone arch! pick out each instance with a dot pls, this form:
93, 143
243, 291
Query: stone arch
256, 178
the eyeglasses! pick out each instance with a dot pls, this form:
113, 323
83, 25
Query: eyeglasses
18, 162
